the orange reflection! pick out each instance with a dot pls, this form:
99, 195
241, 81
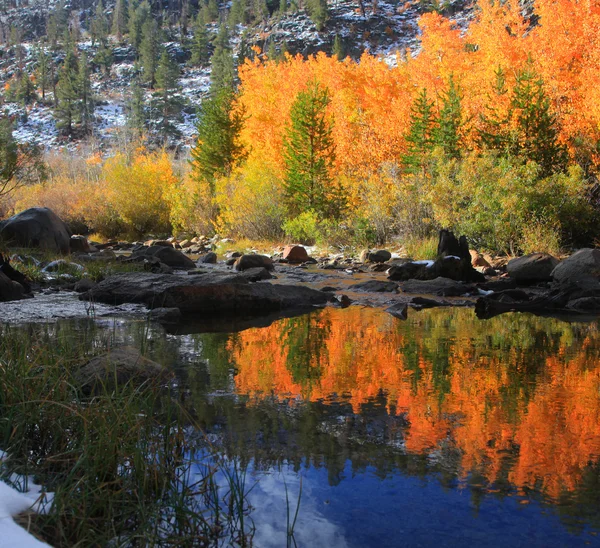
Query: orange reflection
518, 396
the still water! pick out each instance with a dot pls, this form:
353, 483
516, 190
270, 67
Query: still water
437, 431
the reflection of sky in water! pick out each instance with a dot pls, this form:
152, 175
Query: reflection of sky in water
364, 510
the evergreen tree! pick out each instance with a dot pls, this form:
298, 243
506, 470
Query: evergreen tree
138, 16
530, 130
104, 57
25, 90
447, 133
43, 70
57, 23
283, 6
260, 10
236, 13
338, 48
212, 10
120, 19
67, 94
309, 154
167, 103
150, 50
200, 45
420, 138
99, 25
319, 12
136, 108
217, 148
86, 106
9, 158
222, 74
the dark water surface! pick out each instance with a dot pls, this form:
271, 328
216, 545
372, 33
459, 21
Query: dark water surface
436, 431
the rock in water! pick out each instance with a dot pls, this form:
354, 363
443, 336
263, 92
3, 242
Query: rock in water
37, 227
253, 261
214, 293
378, 256
532, 268
170, 256
295, 254
9, 289
119, 366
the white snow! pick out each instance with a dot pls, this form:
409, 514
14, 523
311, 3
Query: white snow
14, 502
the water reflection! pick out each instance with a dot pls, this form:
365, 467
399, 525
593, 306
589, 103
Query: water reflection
439, 427
504, 407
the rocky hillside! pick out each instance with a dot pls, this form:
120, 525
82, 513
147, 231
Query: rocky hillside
384, 28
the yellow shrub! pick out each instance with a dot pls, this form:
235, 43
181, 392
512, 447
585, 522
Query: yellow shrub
192, 208
138, 189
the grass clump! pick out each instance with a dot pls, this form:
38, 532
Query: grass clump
123, 469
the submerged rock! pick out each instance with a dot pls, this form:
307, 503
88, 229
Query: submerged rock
213, 292
118, 367
442, 287
375, 286
37, 227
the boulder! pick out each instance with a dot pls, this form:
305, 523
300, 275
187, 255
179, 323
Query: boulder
85, 284
165, 315
10, 290
168, 255
209, 258
79, 244
14, 275
398, 310
256, 274
532, 268
253, 261
295, 254
442, 287
37, 227
213, 293
375, 286
378, 256
120, 366
478, 260
584, 264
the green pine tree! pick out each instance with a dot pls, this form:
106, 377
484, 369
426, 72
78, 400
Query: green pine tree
43, 70
136, 108
86, 105
120, 19
150, 50
530, 130
104, 57
223, 75
201, 43
309, 154
57, 23
319, 12
99, 25
217, 148
167, 102
67, 92
138, 16
420, 137
447, 132
25, 90
338, 48
9, 157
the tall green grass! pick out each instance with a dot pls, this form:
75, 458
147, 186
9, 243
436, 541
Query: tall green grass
121, 463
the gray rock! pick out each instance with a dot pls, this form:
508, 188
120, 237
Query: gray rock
253, 261
171, 257
79, 244
10, 290
441, 287
533, 268
118, 367
37, 227
214, 292
378, 256
63, 266
398, 310
256, 274
85, 284
295, 254
209, 258
165, 315
375, 286
584, 264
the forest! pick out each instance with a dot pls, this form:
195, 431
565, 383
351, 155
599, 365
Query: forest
492, 132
